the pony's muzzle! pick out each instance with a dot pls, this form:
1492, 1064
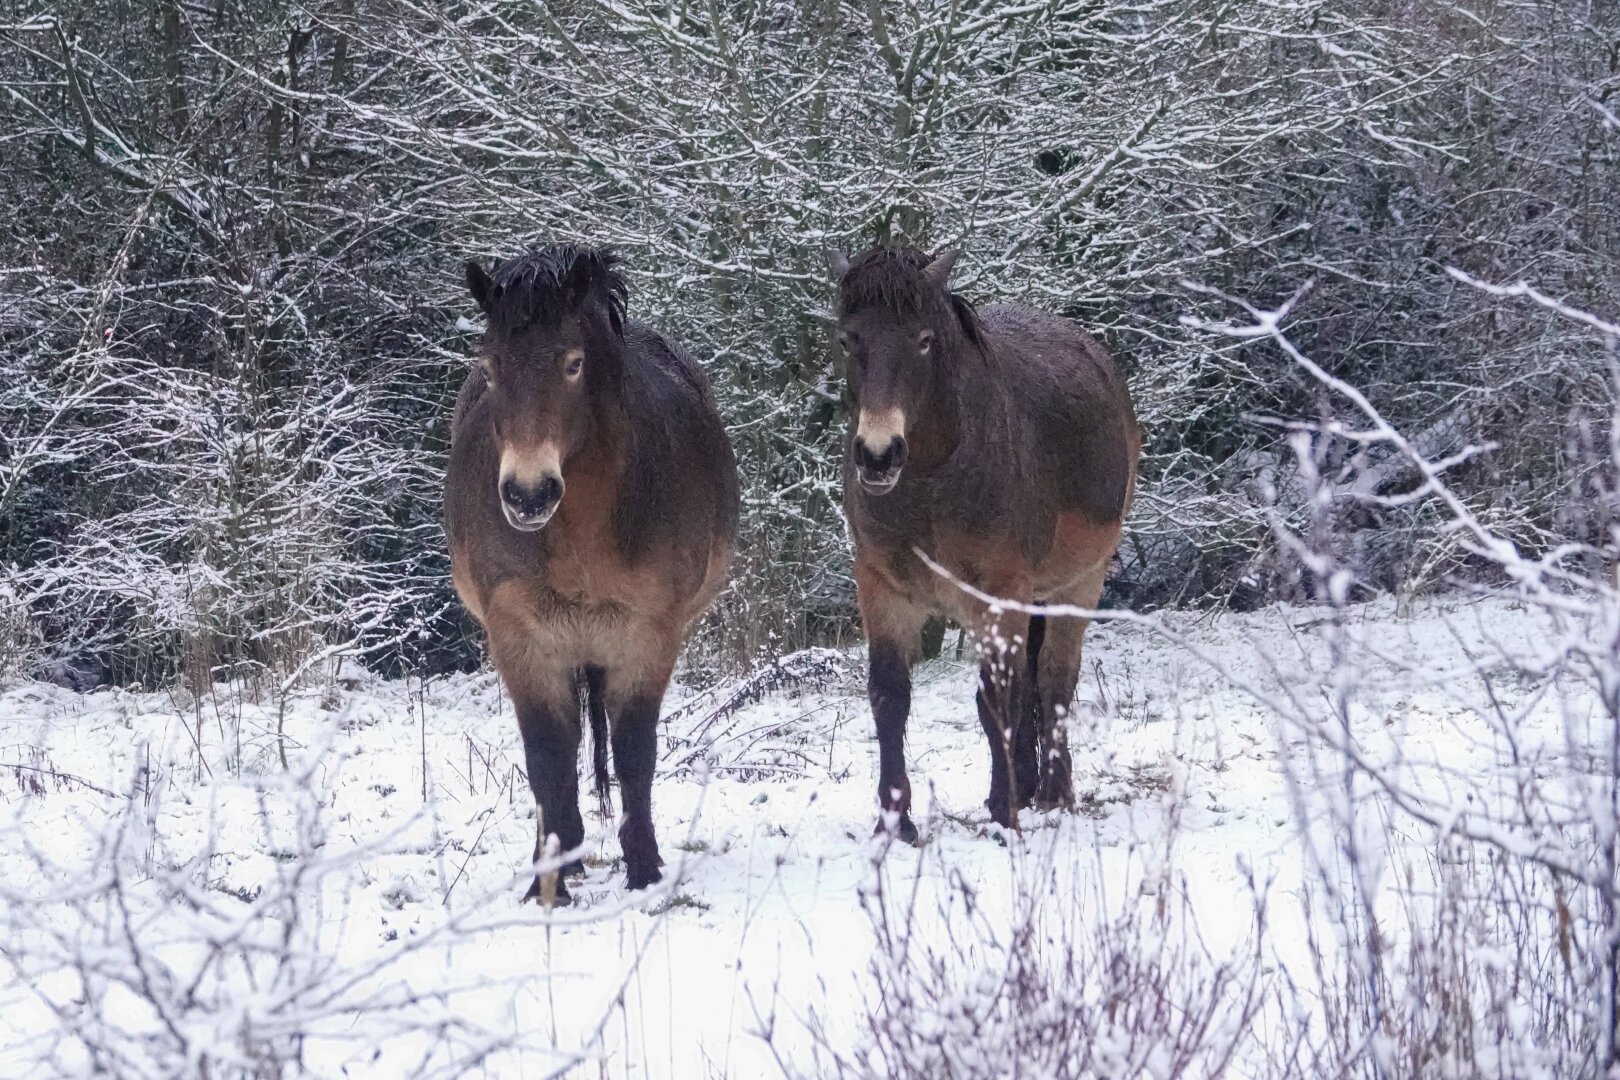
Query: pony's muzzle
529, 506
879, 472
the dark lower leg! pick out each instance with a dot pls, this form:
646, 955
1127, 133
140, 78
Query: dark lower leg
1058, 673
889, 689
635, 751
1003, 701
1026, 753
1055, 789
996, 717
551, 755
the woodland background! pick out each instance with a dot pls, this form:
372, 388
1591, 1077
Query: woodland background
232, 321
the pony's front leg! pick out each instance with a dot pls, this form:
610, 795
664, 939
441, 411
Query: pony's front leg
893, 639
547, 707
635, 695
545, 696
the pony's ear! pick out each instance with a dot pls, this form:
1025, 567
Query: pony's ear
610, 285
837, 261
938, 272
479, 284
968, 318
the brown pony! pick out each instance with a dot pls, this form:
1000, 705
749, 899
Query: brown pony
591, 502
1001, 443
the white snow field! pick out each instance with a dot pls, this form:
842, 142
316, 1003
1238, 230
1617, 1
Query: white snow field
327, 884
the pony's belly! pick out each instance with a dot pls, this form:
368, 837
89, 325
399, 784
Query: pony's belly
1080, 551
1077, 551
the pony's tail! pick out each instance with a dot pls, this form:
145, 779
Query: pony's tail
1032, 649
599, 737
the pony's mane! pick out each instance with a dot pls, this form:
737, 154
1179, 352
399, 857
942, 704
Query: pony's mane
892, 278
547, 283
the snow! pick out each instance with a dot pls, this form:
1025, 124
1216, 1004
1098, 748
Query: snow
360, 903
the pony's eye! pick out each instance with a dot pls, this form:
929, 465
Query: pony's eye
576, 363
925, 340
843, 342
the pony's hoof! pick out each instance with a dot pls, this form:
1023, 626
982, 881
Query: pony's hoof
641, 877
641, 856
903, 830
1002, 812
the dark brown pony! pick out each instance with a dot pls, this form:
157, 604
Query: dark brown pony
1002, 444
591, 502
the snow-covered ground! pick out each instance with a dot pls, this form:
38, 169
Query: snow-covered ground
333, 878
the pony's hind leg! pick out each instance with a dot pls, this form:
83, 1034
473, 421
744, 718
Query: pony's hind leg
1026, 738
634, 698
1056, 676
1058, 673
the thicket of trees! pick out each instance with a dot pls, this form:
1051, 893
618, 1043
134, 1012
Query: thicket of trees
232, 324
